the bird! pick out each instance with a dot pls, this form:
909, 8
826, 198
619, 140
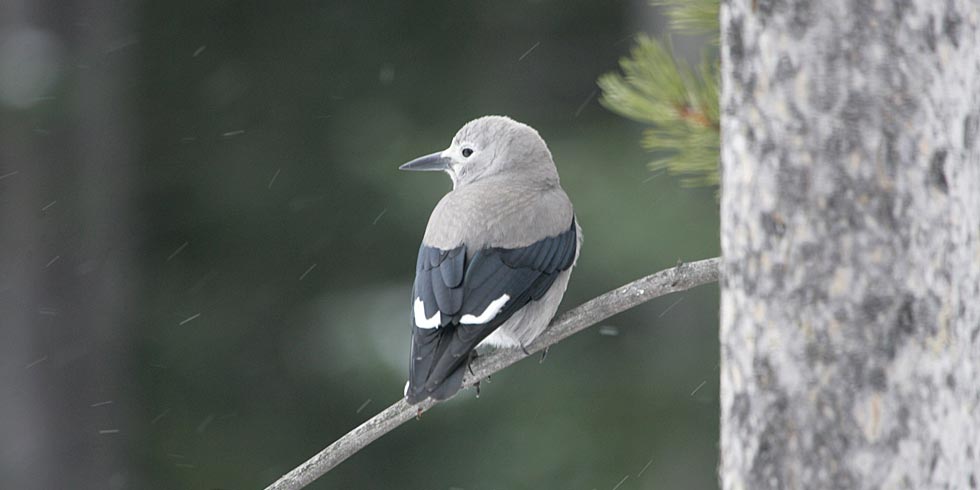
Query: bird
496, 255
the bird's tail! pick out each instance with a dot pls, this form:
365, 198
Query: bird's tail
441, 391
445, 367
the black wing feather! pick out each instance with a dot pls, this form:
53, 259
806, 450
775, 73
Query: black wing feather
569, 244
541, 286
480, 270
543, 256
424, 346
453, 268
427, 295
454, 286
443, 295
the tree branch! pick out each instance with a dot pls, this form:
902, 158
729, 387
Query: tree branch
667, 281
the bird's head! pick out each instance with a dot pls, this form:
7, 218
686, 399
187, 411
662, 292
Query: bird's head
492, 147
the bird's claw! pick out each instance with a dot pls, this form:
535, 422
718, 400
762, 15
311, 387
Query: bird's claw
677, 268
544, 355
469, 365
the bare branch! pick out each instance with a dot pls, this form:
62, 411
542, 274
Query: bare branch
668, 281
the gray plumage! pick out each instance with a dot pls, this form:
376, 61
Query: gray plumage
496, 255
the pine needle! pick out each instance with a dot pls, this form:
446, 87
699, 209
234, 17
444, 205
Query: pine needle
678, 103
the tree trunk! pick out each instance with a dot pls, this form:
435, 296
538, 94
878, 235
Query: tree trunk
850, 333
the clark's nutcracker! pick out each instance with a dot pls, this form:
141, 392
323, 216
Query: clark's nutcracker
496, 255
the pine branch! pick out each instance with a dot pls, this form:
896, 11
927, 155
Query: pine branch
692, 16
678, 103
680, 278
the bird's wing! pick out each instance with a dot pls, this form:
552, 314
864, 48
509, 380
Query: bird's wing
457, 302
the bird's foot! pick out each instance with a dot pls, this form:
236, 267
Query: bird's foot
418, 413
544, 355
469, 364
477, 386
677, 269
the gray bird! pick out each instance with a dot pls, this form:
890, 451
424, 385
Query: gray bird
496, 255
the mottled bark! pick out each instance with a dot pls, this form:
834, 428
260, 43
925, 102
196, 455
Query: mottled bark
850, 330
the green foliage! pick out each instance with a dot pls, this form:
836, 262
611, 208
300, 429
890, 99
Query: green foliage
692, 16
679, 104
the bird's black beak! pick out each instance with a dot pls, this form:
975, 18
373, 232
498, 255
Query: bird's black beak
430, 163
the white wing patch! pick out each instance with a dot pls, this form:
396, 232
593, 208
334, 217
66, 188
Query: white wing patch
492, 309
421, 321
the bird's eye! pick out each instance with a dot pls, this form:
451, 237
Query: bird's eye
467, 152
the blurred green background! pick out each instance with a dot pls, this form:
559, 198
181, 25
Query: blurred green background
208, 251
